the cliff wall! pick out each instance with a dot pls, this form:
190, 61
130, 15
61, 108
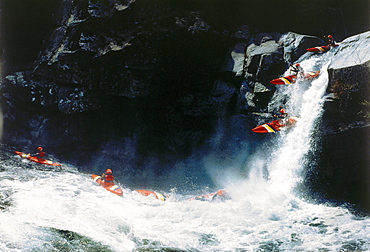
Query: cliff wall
146, 84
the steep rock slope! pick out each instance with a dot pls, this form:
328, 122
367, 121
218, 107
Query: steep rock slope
343, 160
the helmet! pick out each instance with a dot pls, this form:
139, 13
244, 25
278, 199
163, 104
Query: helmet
221, 192
297, 64
330, 36
39, 148
108, 171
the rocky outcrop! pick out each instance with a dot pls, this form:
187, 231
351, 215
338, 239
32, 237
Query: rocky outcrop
343, 160
349, 103
147, 73
264, 58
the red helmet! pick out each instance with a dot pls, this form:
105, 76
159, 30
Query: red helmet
108, 171
39, 148
330, 36
297, 64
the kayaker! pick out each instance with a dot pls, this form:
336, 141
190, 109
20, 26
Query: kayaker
40, 154
283, 113
331, 41
108, 177
284, 117
219, 195
296, 68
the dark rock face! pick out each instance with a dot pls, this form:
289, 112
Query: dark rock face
138, 84
146, 84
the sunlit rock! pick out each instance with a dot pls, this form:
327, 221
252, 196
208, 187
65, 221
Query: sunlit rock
349, 89
352, 52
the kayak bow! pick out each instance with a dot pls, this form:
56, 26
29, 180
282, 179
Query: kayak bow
36, 159
321, 48
286, 80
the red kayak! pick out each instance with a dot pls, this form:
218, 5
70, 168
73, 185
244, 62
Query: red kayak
321, 48
36, 159
276, 125
293, 78
112, 188
155, 194
285, 80
117, 190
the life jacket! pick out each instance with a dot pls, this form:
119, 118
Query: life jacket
109, 178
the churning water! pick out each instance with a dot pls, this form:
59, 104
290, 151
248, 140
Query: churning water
64, 210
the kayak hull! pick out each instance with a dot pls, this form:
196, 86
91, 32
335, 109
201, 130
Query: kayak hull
113, 188
36, 159
286, 80
275, 125
155, 194
321, 48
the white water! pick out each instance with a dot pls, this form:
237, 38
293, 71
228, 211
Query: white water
307, 105
264, 213
256, 218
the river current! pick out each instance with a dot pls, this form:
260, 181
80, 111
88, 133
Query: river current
52, 209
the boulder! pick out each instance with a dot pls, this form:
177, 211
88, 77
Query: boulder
295, 45
348, 102
351, 52
344, 136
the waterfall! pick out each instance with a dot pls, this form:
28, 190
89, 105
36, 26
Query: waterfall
303, 99
289, 158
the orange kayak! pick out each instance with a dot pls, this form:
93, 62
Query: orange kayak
112, 188
293, 78
148, 193
321, 48
36, 159
276, 125
117, 190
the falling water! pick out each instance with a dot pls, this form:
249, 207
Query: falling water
289, 158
